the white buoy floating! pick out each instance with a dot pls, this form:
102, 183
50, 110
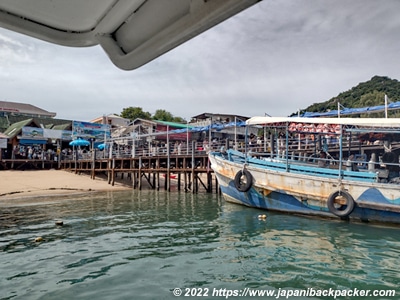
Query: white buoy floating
262, 217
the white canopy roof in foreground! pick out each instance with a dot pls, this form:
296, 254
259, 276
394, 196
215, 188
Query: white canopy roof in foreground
370, 122
132, 32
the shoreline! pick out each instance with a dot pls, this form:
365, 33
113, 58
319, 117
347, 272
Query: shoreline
42, 183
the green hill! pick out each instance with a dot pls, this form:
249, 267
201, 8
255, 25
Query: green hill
369, 93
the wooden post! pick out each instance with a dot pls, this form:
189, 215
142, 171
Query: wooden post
113, 172
132, 167
76, 159
109, 170
185, 174
158, 173
140, 173
185, 181
193, 175
93, 173
168, 175
196, 183
209, 182
168, 162
134, 179
209, 177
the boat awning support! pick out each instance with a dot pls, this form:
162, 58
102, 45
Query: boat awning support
340, 155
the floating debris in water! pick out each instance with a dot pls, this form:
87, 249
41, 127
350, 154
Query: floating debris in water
59, 223
38, 239
262, 217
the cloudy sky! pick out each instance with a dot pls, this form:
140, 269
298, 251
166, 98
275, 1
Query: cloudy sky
276, 57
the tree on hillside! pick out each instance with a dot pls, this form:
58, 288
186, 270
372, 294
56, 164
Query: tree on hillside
133, 113
163, 115
179, 120
372, 99
369, 93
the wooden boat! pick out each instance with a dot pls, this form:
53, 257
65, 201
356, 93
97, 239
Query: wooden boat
331, 167
172, 176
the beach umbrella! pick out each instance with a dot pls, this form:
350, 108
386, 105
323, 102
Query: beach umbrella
79, 142
102, 146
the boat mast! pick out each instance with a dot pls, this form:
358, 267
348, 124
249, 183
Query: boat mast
340, 152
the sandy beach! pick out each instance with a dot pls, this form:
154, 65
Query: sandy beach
21, 184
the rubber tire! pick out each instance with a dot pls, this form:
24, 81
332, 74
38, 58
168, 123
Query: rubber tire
239, 184
349, 204
389, 158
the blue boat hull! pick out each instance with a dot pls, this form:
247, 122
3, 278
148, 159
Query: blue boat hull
283, 202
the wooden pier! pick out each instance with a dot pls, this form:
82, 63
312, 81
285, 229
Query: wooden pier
190, 173
27, 164
186, 172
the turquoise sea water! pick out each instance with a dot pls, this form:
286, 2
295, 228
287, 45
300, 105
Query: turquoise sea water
147, 244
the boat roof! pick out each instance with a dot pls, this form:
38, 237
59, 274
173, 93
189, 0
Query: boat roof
131, 32
370, 122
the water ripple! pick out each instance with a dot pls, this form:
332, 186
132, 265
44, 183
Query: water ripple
117, 245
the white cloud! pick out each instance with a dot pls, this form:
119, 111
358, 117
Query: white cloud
276, 57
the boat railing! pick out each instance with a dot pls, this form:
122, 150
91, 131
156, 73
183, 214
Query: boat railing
354, 167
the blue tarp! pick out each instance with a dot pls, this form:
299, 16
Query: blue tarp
32, 142
352, 111
215, 126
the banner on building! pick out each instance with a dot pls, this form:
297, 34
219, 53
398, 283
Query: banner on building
3, 143
90, 130
32, 132
37, 133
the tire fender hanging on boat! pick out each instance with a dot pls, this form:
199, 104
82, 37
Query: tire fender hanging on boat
243, 185
344, 209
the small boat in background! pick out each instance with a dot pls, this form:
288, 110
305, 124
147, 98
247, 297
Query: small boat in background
172, 176
344, 168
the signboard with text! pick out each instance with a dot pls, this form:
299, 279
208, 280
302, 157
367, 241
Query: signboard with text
90, 130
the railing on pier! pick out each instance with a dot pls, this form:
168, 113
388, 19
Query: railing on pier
184, 168
187, 166
28, 164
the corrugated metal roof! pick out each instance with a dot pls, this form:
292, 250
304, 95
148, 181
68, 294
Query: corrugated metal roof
47, 122
16, 128
216, 115
67, 126
24, 108
174, 124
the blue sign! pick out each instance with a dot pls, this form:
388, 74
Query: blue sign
90, 130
